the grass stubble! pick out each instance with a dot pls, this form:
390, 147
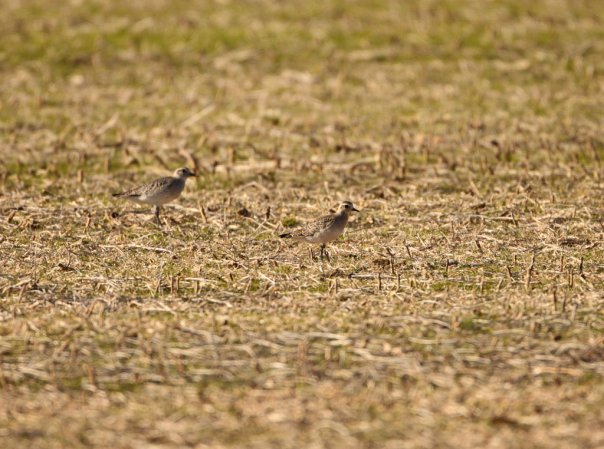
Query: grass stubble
462, 308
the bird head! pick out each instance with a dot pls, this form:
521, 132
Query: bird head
347, 207
184, 173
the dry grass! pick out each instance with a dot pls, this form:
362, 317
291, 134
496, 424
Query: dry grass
463, 308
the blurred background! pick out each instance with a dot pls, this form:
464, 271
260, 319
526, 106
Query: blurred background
373, 65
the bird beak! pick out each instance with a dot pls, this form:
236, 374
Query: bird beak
354, 209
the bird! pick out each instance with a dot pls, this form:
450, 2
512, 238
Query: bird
159, 191
323, 229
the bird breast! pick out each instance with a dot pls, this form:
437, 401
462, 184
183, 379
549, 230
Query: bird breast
330, 232
163, 195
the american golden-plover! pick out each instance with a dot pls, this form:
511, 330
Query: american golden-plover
160, 191
324, 229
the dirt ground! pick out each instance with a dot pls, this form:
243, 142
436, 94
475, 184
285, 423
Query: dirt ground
462, 308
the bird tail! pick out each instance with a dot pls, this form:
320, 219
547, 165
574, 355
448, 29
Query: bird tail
287, 235
127, 194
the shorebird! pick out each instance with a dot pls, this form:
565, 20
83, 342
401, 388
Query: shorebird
160, 191
323, 229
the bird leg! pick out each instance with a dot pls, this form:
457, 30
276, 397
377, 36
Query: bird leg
156, 212
323, 252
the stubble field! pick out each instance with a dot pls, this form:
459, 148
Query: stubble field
462, 308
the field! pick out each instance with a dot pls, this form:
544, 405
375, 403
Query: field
463, 307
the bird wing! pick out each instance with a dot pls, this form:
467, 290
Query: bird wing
147, 189
314, 227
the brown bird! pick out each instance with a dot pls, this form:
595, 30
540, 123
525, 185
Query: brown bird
324, 229
160, 191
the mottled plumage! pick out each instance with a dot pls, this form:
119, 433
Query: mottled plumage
323, 229
159, 191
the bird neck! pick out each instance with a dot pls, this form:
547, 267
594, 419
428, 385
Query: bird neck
343, 214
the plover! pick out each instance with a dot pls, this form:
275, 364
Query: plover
160, 191
324, 229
